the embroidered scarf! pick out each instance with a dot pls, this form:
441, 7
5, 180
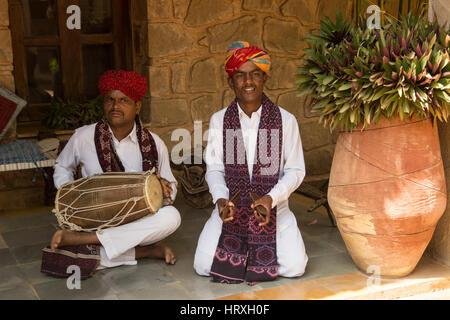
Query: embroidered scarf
246, 251
107, 156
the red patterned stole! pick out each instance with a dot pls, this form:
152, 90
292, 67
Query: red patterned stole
107, 156
247, 251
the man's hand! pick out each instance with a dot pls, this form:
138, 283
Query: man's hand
227, 209
167, 189
266, 203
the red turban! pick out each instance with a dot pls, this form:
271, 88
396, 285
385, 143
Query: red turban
130, 83
240, 52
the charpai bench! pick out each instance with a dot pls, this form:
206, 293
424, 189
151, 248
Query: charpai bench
24, 154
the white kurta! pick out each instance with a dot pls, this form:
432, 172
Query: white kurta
118, 243
291, 253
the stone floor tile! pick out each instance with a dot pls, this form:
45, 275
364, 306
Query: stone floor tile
12, 223
190, 229
92, 288
112, 297
147, 273
435, 295
170, 291
10, 277
305, 291
328, 265
201, 288
183, 268
21, 291
3, 244
6, 258
334, 239
32, 236
348, 283
428, 268
316, 248
29, 253
280, 281
318, 230
32, 273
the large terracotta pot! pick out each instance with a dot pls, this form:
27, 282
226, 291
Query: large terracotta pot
387, 190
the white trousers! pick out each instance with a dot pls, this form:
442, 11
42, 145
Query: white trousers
291, 253
118, 243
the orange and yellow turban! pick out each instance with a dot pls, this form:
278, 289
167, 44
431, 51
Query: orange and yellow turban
240, 52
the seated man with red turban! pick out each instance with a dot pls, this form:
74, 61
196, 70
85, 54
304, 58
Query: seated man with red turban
254, 162
120, 143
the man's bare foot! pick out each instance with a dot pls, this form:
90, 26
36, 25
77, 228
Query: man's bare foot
63, 238
156, 251
169, 256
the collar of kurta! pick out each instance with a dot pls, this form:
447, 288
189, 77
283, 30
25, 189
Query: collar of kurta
243, 114
106, 153
132, 135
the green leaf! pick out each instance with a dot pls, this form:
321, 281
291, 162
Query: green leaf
401, 114
432, 41
367, 113
345, 86
437, 85
353, 116
329, 108
315, 70
327, 80
321, 104
405, 106
378, 94
443, 95
303, 78
387, 101
344, 108
377, 115
304, 91
302, 69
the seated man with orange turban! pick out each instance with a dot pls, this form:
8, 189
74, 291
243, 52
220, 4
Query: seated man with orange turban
254, 162
118, 143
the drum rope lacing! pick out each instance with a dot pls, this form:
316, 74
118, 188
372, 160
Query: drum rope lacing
69, 212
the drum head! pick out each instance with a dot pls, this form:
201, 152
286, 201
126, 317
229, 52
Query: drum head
153, 193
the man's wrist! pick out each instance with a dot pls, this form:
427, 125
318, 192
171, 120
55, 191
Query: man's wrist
273, 200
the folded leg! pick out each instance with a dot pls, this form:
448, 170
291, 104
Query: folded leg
119, 242
207, 244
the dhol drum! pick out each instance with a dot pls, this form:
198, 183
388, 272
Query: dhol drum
107, 200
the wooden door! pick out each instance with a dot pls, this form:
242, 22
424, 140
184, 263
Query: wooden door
51, 60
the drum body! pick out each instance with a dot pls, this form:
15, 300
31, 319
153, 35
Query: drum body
107, 200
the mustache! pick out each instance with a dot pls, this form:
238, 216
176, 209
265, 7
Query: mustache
116, 111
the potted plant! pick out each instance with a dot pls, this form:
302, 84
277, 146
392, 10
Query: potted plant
384, 90
67, 115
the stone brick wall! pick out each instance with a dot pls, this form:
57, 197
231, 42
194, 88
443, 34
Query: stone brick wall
6, 60
187, 43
